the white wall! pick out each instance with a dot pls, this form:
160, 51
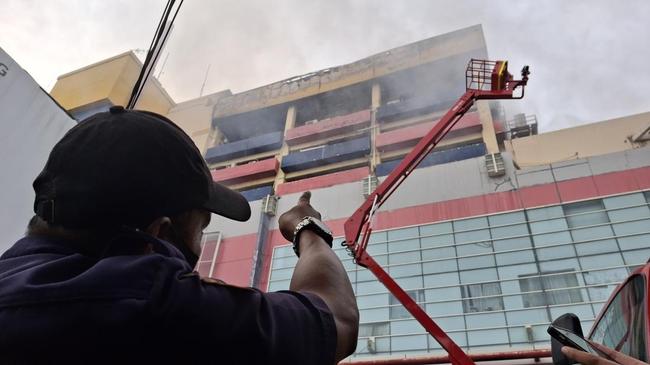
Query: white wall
30, 124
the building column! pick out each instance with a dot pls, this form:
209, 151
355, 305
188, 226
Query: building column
489, 135
374, 126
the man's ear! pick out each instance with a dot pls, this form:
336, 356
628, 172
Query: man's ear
160, 228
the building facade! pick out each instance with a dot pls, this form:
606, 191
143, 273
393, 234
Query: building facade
497, 232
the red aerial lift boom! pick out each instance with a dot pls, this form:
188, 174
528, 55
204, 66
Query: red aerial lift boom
483, 80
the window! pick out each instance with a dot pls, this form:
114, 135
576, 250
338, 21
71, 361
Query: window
397, 310
474, 297
543, 285
577, 214
373, 329
622, 326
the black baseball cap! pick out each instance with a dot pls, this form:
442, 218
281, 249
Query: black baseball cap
128, 167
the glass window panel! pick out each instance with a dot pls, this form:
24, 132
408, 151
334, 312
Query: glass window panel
513, 272
471, 223
637, 257
560, 265
590, 248
439, 266
512, 258
410, 282
624, 316
552, 253
406, 257
439, 294
510, 231
592, 233
451, 323
642, 226
633, 242
583, 311
628, 214
282, 251
436, 241
405, 327
541, 290
444, 308
370, 287
512, 301
373, 315
433, 229
474, 248
519, 334
398, 234
485, 320
578, 213
511, 244
545, 213
284, 262
374, 329
623, 201
506, 218
606, 281
404, 343
481, 297
550, 239
552, 225
279, 285
473, 276
601, 261
438, 280
404, 245
367, 301
373, 345
398, 311
281, 274
476, 262
472, 236
528, 316
377, 237
405, 270
460, 338
439, 253
487, 337
365, 275
377, 249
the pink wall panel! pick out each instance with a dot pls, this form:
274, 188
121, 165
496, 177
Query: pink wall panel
403, 137
642, 177
249, 171
539, 195
615, 183
327, 127
323, 181
237, 248
234, 272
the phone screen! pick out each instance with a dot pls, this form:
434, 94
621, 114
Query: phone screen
576, 341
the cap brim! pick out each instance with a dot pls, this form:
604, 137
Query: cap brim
228, 203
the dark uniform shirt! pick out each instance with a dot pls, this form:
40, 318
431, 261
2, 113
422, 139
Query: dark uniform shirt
61, 304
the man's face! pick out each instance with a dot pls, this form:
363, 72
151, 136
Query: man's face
188, 229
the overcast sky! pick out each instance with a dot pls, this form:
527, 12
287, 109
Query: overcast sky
589, 59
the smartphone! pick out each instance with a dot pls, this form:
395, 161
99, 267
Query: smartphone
570, 339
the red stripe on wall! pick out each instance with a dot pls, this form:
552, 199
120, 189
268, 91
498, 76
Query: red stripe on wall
249, 171
235, 259
322, 181
327, 127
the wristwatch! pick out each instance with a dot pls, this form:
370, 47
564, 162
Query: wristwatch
314, 225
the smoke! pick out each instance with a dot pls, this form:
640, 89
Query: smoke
587, 58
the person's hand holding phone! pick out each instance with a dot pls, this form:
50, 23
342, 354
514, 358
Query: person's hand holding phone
586, 358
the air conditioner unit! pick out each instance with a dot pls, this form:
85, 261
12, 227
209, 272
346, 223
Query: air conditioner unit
270, 205
369, 185
495, 165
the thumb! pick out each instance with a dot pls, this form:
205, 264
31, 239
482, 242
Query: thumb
305, 198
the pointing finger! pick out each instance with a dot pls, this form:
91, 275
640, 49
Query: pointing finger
305, 197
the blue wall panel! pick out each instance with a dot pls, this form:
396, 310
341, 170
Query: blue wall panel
437, 158
257, 193
249, 146
327, 154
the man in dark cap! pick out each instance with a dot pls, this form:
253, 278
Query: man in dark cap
105, 272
